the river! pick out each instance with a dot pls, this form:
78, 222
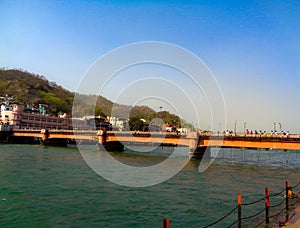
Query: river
54, 187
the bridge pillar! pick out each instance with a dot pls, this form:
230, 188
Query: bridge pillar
5, 136
108, 145
198, 152
45, 136
47, 141
102, 136
193, 144
194, 140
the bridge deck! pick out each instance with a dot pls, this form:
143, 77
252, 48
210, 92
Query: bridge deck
253, 142
190, 140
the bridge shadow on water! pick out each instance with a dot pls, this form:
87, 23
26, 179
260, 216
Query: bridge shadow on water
144, 156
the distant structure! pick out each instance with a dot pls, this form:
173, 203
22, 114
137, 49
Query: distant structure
119, 124
14, 116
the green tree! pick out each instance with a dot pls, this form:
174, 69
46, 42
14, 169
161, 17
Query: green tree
136, 124
98, 112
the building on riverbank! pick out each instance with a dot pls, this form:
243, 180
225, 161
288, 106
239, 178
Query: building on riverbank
15, 116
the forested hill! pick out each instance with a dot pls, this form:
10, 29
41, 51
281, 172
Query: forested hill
32, 89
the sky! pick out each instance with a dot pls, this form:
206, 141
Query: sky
252, 48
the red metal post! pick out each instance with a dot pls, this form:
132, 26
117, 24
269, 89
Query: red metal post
166, 223
287, 185
239, 210
267, 191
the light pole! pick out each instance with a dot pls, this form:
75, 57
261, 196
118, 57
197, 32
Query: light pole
274, 127
160, 108
235, 123
280, 127
245, 124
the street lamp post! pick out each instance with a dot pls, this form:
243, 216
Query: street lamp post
235, 123
280, 129
245, 124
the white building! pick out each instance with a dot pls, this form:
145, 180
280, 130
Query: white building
117, 123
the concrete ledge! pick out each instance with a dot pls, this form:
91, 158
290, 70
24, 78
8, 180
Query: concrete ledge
294, 219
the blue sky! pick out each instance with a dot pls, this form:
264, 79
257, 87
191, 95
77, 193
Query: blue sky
252, 47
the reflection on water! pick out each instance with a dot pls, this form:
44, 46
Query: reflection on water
148, 156
289, 158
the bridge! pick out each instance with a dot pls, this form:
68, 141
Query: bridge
197, 142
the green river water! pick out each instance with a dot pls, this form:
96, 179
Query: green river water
54, 187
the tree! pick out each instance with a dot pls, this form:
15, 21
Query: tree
98, 111
136, 124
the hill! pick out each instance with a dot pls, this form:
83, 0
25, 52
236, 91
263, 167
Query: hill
32, 89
